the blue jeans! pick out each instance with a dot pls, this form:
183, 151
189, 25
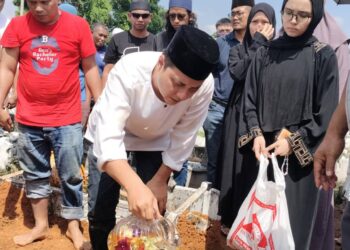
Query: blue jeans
213, 129
34, 149
181, 176
104, 194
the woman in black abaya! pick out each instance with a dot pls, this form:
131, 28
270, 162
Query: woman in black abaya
234, 181
292, 84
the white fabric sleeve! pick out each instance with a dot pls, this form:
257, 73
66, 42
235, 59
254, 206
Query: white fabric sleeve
183, 135
112, 110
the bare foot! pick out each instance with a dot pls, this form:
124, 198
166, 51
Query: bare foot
79, 242
37, 233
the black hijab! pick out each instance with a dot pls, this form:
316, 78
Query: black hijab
269, 13
305, 39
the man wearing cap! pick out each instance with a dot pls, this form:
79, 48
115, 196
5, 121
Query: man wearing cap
48, 44
179, 13
223, 84
153, 104
136, 39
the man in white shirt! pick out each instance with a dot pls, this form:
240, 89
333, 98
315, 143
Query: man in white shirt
153, 104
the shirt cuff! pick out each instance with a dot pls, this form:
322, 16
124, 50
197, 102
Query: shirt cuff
246, 138
168, 161
299, 148
109, 156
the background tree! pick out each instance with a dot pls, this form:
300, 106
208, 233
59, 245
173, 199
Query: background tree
158, 17
99, 11
120, 10
114, 13
120, 14
94, 10
18, 4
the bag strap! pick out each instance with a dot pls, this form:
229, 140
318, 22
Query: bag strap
279, 175
262, 175
285, 165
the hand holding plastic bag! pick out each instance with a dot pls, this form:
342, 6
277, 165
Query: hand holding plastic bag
263, 220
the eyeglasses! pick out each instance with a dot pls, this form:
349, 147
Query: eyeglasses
179, 17
301, 16
137, 15
237, 14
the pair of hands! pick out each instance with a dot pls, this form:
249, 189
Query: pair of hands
281, 147
325, 157
148, 201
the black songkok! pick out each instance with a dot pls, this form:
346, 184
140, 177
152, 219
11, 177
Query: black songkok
237, 3
193, 52
139, 5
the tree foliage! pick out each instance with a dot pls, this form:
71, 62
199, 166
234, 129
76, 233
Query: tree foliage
94, 10
120, 14
114, 13
158, 17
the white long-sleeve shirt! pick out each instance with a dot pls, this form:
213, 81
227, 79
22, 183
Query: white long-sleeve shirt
130, 117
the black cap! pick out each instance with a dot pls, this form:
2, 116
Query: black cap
237, 3
139, 5
193, 52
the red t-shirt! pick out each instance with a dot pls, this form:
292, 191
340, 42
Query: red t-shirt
48, 87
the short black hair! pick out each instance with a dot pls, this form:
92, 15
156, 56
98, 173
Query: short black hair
98, 24
167, 60
222, 21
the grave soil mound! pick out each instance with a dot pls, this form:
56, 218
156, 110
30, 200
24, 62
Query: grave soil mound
16, 217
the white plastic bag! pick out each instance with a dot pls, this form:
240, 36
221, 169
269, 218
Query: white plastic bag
263, 220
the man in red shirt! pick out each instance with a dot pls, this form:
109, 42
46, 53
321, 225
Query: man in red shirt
48, 44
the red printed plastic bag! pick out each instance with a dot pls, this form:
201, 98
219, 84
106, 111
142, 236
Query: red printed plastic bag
263, 220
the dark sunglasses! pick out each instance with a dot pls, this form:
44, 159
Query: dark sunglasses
179, 17
137, 15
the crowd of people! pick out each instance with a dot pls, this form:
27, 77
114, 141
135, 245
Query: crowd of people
254, 89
